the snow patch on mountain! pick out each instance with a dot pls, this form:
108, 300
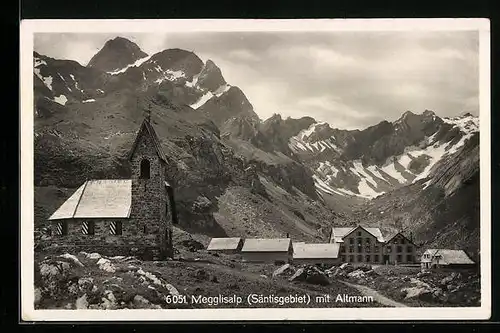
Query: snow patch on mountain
61, 99
46, 80
326, 168
301, 142
467, 124
88, 100
137, 63
366, 191
203, 99
193, 83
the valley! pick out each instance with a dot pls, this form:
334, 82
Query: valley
237, 175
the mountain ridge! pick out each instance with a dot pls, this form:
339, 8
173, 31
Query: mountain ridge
226, 161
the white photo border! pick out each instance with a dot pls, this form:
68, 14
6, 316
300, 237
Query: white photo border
31, 27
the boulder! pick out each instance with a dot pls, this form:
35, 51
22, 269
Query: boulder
423, 273
346, 267
364, 267
357, 274
286, 268
318, 278
81, 302
106, 265
421, 293
299, 275
73, 258
38, 296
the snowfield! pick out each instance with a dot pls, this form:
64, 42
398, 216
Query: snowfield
373, 179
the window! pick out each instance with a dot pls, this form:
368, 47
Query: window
399, 258
62, 229
359, 233
367, 248
88, 227
360, 258
342, 248
409, 258
351, 249
343, 258
360, 240
368, 258
389, 249
145, 169
399, 248
376, 258
145, 229
351, 240
375, 248
351, 258
409, 248
368, 240
115, 228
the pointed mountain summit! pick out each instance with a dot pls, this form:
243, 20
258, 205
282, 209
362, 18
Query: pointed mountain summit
116, 53
211, 77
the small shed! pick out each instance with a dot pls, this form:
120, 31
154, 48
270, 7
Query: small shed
275, 250
316, 253
435, 258
229, 245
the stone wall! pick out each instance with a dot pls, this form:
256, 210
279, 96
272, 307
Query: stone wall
149, 196
132, 241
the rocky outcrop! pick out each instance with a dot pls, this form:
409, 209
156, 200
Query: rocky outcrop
211, 77
232, 104
92, 281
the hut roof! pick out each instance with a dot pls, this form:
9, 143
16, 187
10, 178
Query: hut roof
266, 245
339, 233
448, 256
316, 251
105, 198
224, 243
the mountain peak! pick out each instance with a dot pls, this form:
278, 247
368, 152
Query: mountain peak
428, 113
211, 77
116, 53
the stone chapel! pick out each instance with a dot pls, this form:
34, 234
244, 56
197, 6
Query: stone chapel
122, 216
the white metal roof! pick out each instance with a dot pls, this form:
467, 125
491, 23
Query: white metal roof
224, 243
104, 198
266, 245
339, 233
450, 256
316, 251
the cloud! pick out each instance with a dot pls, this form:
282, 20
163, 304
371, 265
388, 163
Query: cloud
350, 79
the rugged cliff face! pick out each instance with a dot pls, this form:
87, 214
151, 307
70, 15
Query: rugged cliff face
235, 174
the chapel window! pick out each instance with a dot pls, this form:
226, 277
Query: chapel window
145, 169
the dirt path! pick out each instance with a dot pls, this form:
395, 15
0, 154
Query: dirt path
376, 295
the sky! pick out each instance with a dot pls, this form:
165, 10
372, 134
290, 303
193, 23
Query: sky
350, 79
